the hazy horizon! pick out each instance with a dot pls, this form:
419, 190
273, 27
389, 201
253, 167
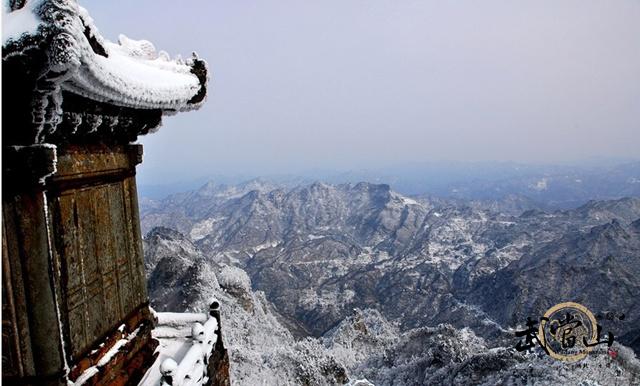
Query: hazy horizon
434, 178
337, 85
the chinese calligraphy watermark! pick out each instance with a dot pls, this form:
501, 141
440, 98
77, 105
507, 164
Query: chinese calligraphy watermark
567, 331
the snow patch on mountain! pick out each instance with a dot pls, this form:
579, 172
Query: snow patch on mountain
202, 228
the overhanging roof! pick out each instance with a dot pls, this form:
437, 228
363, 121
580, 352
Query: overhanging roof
54, 48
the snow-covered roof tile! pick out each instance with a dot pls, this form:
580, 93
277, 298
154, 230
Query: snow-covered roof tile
66, 53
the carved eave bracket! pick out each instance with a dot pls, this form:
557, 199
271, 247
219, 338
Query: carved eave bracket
85, 121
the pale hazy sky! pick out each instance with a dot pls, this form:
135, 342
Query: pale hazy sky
349, 84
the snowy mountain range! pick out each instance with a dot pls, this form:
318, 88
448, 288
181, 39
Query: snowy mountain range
316, 259
547, 186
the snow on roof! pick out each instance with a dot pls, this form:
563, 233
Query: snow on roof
128, 74
19, 22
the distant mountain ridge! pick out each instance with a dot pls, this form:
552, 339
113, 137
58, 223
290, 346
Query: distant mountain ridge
549, 186
319, 250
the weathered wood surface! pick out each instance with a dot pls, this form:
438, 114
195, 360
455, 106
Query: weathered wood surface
73, 268
32, 349
95, 242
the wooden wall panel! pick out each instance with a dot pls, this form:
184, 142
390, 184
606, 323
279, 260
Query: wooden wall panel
97, 245
72, 265
135, 248
33, 345
105, 248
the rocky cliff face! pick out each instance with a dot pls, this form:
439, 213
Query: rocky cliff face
362, 347
598, 268
261, 350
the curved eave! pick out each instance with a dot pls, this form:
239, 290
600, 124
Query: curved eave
136, 82
129, 74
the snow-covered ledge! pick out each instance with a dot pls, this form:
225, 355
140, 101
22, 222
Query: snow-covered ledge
187, 343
